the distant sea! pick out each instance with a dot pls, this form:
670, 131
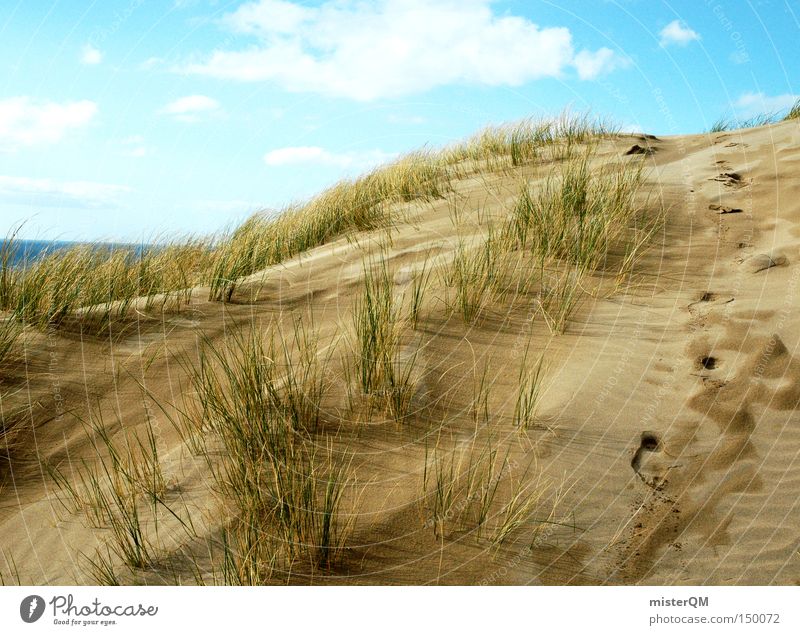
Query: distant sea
28, 251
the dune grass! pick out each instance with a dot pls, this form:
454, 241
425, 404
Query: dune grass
579, 220
52, 289
95, 283
8, 273
562, 293
473, 275
479, 489
481, 389
120, 492
420, 282
723, 124
11, 420
380, 363
794, 112
357, 205
286, 493
10, 331
12, 423
375, 323
526, 505
257, 400
727, 124
529, 391
523, 142
578, 212
260, 397
763, 119
506, 145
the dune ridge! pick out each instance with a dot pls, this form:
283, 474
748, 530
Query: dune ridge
443, 398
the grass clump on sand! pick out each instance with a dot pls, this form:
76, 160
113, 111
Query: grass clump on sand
484, 491
577, 213
381, 364
726, 124
286, 492
522, 142
578, 221
10, 331
95, 283
529, 392
358, 205
375, 318
474, 276
122, 492
12, 424
794, 112
723, 124
11, 420
8, 273
259, 398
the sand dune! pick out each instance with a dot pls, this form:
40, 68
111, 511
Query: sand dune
666, 439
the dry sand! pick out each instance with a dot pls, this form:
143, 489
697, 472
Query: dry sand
670, 421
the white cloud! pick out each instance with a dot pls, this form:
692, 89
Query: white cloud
150, 63
319, 156
269, 16
591, 64
752, 104
191, 107
27, 122
134, 147
91, 55
677, 33
389, 48
53, 193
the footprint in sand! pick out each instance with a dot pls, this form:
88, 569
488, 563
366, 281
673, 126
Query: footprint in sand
724, 209
762, 262
729, 179
709, 297
637, 149
707, 302
650, 462
707, 362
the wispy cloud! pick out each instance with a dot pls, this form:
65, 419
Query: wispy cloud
752, 104
592, 64
151, 63
191, 108
28, 122
91, 55
677, 33
55, 193
299, 155
366, 51
134, 146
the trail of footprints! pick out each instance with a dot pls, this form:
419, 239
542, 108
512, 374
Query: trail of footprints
700, 459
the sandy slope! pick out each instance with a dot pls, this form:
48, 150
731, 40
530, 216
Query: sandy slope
671, 411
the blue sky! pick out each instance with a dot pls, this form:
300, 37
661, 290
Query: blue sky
126, 119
